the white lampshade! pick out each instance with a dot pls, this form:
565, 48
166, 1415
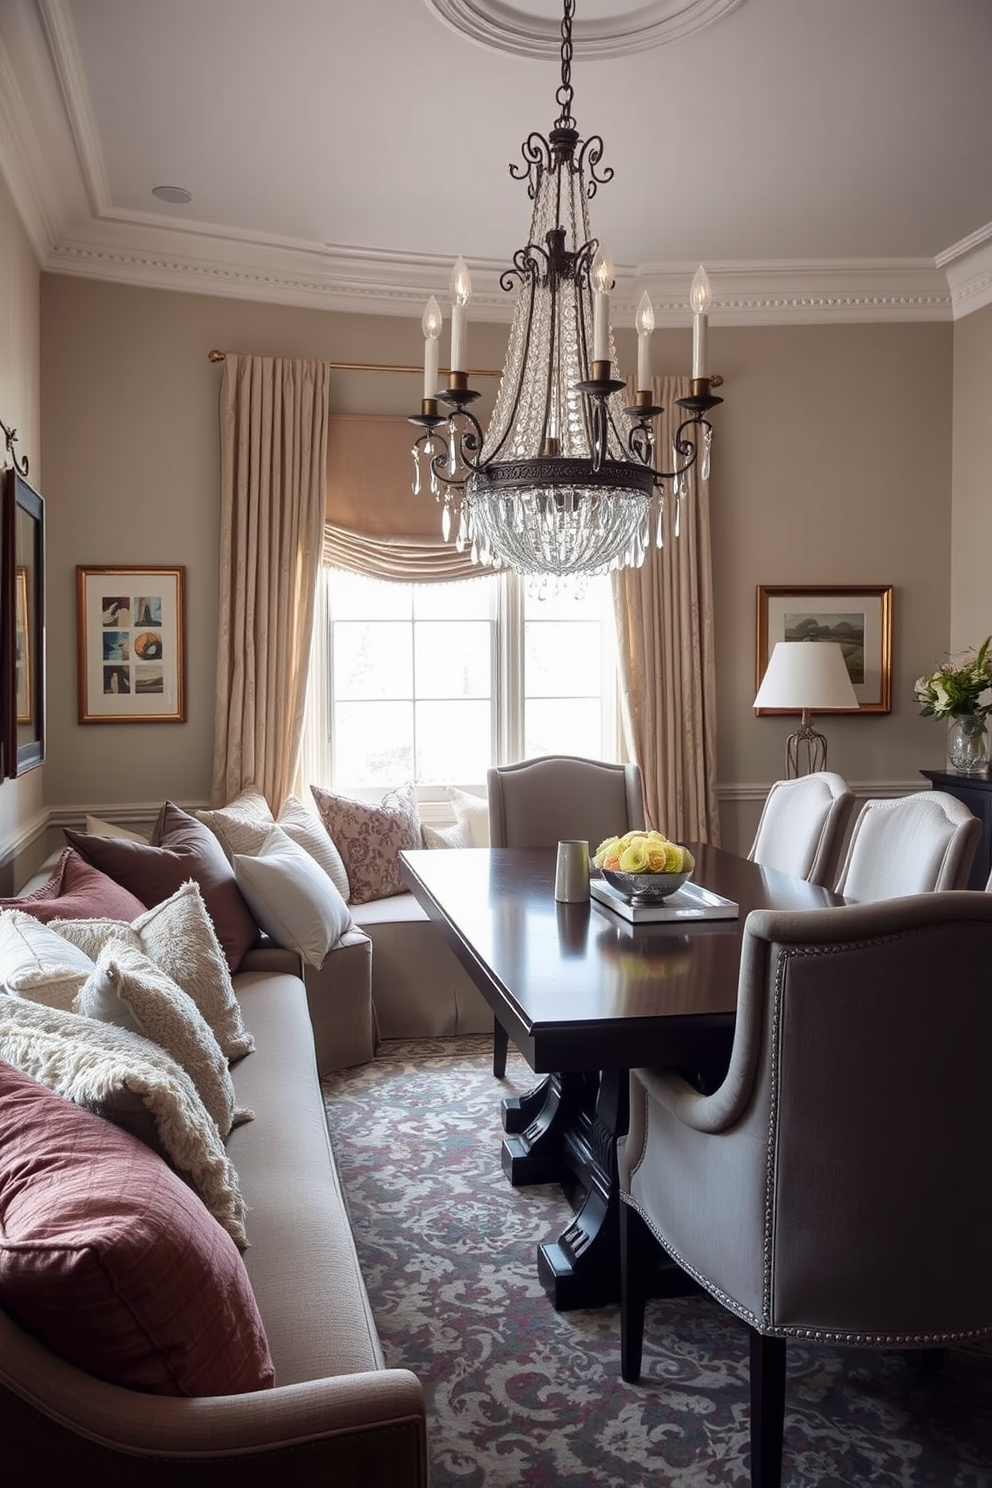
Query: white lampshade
806, 674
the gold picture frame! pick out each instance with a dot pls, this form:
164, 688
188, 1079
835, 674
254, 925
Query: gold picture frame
132, 644
857, 615
22, 648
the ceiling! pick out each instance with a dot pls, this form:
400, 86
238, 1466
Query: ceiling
823, 158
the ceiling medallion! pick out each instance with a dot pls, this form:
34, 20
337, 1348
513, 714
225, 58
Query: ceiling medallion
614, 33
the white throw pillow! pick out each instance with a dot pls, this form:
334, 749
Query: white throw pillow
178, 936
133, 1083
127, 989
471, 812
37, 963
457, 835
308, 831
292, 899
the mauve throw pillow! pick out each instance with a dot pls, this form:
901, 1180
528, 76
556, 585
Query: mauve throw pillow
181, 848
369, 837
78, 891
109, 1259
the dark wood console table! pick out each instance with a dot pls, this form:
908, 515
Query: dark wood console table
585, 999
975, 792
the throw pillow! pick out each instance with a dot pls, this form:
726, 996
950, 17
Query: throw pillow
457, 835
104, 1068
110, 1259
37, 963
128, 990
181, 848
178, 937
292, 899
299, 822
471, 812
96, 827
369, 837
237, 824
76, 891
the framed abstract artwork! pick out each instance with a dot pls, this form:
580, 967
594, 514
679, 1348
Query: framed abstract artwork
859, 617
132, 645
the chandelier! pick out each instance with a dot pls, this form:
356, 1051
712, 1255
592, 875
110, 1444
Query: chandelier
564, 480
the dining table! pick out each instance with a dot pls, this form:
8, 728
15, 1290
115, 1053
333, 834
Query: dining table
586, 995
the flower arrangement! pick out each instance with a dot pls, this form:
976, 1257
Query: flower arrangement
643, 852
953, 690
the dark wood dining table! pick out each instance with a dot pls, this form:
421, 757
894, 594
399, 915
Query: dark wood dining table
585, 997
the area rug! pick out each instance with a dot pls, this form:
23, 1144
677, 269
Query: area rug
522, 1397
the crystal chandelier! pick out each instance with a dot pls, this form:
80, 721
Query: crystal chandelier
563, 481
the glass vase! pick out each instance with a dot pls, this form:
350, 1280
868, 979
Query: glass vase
968, 744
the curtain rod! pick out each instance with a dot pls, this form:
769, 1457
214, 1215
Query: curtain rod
220, 356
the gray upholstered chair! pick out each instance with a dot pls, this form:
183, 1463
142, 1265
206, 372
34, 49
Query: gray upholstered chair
836, 1186
540, 802
909, 845
800, 826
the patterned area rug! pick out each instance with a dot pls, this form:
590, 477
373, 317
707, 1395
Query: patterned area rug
520, 1395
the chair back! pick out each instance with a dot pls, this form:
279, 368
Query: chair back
539, 802
910, 845
800, 825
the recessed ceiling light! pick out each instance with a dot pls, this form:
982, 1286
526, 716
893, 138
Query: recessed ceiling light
177, 194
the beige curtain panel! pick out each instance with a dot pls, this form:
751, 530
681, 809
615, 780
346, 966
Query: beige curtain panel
664, 618
273, 427
375, 525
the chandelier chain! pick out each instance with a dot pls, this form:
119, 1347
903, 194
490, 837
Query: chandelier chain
564, 92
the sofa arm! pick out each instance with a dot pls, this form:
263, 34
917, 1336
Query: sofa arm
367, 1428
272, 958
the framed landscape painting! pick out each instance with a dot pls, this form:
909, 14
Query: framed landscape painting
132, 645
859, 618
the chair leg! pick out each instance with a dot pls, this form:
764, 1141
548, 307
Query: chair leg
637, 1245
767, 1409
501, 1043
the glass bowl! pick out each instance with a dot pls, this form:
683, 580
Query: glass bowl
647, 888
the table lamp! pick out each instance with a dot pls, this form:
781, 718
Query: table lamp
806, 675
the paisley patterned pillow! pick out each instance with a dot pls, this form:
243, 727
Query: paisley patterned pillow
369, 837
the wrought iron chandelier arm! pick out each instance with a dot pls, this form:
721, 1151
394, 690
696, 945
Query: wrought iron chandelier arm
683, 448
590, 153
19, 462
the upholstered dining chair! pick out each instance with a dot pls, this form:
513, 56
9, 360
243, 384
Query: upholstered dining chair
909, 845
542, 801
836, 1186
800, 825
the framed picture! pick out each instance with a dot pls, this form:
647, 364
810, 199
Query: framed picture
859, 618
22, 647
132, 645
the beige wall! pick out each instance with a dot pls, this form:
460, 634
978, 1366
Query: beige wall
20, 402
971, 589
832, 465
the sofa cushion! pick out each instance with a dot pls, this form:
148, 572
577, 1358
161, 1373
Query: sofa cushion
112, 1261
103, 1069
77, 890
292, 898
181, 849
369, 837
129, 991
38, 963
177, 935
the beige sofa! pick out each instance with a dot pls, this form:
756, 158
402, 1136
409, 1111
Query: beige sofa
337, 1414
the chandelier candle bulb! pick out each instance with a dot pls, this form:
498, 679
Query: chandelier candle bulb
601, 278
700, 298
460, 285
431, 324
644, 323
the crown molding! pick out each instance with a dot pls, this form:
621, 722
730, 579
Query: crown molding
968, 266
509, 28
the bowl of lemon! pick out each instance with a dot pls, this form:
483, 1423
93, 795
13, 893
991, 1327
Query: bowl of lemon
645, 867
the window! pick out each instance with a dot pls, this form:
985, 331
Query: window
435, 682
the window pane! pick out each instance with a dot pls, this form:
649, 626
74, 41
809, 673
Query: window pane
468, 599
372, 659
454, 742
563, 659
452, 658
563, 727
355, 598
373, 744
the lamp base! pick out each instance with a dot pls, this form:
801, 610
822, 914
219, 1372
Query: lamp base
806, 748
